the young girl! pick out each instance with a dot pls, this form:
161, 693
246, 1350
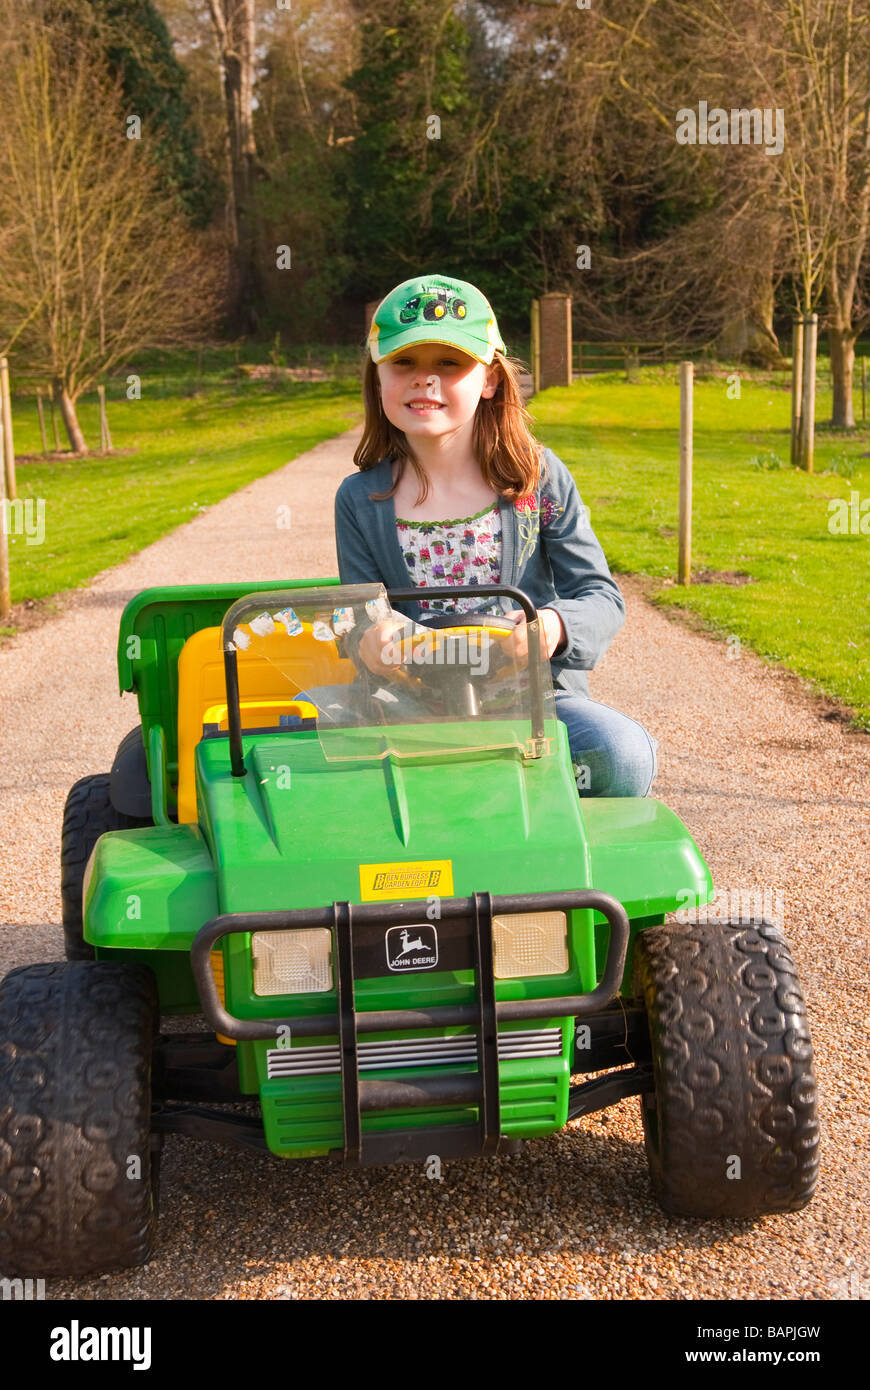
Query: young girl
454, 489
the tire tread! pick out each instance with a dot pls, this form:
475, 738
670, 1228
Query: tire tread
733, 1063
75, 1107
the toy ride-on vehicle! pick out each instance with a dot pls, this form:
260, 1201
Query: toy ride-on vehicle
409, 935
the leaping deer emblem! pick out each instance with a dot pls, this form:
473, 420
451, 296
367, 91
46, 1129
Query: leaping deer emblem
408, 945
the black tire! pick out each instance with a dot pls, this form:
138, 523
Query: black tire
87, 815
129, 786
75, 1111
733, 1067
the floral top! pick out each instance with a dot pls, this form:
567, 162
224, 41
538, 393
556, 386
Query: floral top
463, 551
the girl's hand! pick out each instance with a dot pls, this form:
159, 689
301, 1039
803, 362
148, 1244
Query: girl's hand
377, 650
517, 642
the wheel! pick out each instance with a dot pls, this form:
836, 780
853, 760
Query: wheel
87, 815
77, 1176
129, 787
731, 1129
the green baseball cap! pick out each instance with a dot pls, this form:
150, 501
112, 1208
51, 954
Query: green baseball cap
435, 309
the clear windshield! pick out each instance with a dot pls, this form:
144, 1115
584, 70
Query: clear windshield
468, 686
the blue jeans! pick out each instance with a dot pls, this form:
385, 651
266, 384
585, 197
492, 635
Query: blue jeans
612, 755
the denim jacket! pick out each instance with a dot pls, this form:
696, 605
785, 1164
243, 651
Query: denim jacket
549, 551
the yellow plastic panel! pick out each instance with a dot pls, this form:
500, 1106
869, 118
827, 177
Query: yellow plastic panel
202, 685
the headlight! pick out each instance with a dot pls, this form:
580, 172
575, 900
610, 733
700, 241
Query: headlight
292, 962
530, 943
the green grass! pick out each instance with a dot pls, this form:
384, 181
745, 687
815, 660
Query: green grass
196, 435
809, 605
201, 432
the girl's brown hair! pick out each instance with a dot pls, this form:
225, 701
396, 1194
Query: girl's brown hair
502, 440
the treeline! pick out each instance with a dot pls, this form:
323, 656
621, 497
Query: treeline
685, 169
713, 155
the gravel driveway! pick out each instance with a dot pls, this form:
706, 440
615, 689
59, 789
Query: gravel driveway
778, 799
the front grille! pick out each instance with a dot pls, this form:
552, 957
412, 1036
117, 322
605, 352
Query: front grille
411, 1052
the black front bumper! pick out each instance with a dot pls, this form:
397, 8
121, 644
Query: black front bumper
484, 1014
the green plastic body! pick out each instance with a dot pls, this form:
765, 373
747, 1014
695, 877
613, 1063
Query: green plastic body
293, 832
154, 627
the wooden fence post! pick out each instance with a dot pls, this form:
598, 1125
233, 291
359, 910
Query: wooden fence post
797, 381
808, 393
105, 436
535, 348
5, 603
53, 419
41, 413
8, 446
684, 559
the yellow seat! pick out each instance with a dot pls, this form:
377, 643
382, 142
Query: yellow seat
265, 689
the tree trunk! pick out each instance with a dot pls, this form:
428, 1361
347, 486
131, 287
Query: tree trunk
842, 341
745, 337
747, 334
70, 418
234, 26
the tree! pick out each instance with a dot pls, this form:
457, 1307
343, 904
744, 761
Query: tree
833, 116
139, 50
810, 60
194, 43
235, 30
444, 170
96, 260
409, 93
688, 238
304, 122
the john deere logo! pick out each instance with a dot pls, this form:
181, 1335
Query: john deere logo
412, 948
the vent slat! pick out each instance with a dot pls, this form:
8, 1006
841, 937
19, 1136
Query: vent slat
404, 1053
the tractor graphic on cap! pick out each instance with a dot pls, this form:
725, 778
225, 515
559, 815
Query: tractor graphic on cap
436, 304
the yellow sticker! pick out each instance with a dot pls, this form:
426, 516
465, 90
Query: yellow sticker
416, 878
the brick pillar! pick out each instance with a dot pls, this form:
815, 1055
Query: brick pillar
555, 336
370, 313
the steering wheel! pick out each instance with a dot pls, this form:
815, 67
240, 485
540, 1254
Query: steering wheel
449, 657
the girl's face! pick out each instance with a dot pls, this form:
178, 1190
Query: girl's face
431, 389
